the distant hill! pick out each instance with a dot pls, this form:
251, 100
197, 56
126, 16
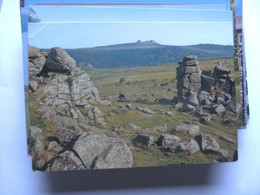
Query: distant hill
147, 53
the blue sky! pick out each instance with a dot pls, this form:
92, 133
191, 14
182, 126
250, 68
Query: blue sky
90, 26
238, 6
208, 2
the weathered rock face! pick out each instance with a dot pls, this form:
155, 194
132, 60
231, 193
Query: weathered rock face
63, 95
59, 93
206, 93
90, 150
59, 61
96, 117
36, 61
66, 161
103, 150
223, 80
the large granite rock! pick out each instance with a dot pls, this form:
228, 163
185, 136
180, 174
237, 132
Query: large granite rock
59, 61
188, 147
207, 144
103, 149
167, 140
187, 129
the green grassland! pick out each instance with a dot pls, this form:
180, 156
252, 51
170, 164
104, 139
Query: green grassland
150, 83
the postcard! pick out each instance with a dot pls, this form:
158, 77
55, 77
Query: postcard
130, 87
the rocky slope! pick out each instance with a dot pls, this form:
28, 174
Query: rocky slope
65, 98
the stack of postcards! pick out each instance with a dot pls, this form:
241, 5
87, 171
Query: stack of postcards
124, 84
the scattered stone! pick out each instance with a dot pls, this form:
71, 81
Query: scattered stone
188, 147
122, 80
144, 139
187, 129
205, 118
133, 126
161, 128
147, 111
121, 95
128, 106
179, 106
207, 144
118, 129
168, 113
167, 140
140, 100
163, 101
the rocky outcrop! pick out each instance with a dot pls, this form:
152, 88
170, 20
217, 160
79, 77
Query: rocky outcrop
189, 79
60, 89
74, 151
64, 96
204, 93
